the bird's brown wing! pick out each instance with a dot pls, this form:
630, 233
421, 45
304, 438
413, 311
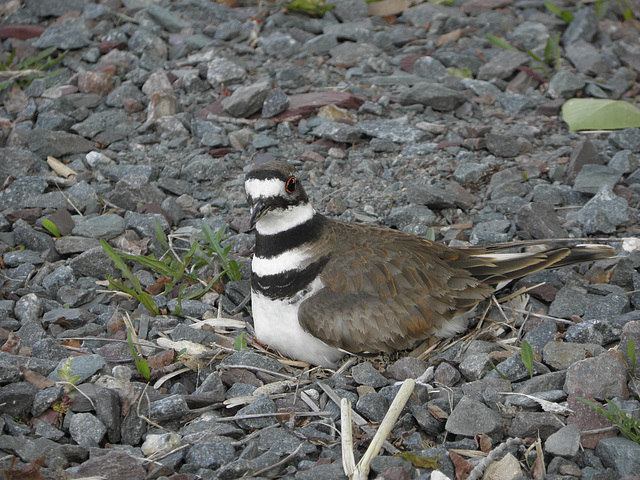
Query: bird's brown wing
386, 289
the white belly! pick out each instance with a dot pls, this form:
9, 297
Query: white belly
276, 324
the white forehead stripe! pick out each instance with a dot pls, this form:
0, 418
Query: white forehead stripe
271, 187
282, 219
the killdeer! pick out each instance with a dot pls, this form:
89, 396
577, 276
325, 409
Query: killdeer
321, 288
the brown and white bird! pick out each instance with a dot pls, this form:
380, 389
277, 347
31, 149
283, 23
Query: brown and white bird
321, 288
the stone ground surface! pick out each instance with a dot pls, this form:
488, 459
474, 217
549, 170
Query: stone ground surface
157, 113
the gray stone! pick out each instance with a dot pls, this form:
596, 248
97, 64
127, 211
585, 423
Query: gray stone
514, 369
168, 405
432, 95
61, 276
251, 359
603, 213
210, 455
475, 366
279, 44
86, 430
132, 191
410, 215
584, 26
321, 44
83, 366
597, 332
470, 417
565, 84
502, 65
392, 130
222, 70
246, 101
540, 221
276, 102
407, 367
561, 355
69, 35
228, 30
541, 335
57, 144
586, 58
625, 161
532, 35
125, 91
32, 239
565, 442
365, 374
430, 69
627, 139
470, 172
373, 406
262, 405
621, 454
534, 424
93, 263
493, 231
601, 377
263, 141
17, 398
338, 132
502, 145
167, 19
348, 54
105, 226
108, 412
593, 178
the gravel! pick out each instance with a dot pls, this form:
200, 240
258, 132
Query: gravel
156, 114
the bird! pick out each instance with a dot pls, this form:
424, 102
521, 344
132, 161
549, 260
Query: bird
323, 288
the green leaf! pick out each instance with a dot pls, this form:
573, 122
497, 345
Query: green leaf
419, 461
599, 114
141, 364
51, 227
314, 8
240, 343
500, 42
565, 15
631, 352
431, 234
527, 357
460, 72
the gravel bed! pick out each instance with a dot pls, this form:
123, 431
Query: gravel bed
412, 120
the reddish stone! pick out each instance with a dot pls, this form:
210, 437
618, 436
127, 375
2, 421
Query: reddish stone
95, 82
107, 46
22, 32
587, 419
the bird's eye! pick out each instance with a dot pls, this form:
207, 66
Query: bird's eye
290, 187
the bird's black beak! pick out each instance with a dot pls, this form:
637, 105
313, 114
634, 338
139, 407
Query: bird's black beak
258, 211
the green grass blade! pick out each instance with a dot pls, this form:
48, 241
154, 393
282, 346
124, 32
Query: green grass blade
51, 227
500, 42
526, 353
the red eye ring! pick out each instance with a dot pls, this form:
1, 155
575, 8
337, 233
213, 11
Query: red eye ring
290, 187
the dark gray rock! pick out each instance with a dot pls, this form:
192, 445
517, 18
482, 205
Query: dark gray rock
338, 132
540, 221
593, 178
601, 377
586, 58
275, 102
224, 71
565, 84
627, 139
279, 44
502, 65
470, 417
373, 406
619, 453
83, 366
561, 355
105, 226
543, 424
502, 145
57, 144
365, 374
565, 442
133, 190
246, 101
262, 405
86, 430
432, 95
392, 130
603, 213
584, 26
17, 398
108, 412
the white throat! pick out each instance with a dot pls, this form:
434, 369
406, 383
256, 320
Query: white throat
282, 219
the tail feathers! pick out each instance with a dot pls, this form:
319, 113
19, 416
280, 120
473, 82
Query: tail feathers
497, 268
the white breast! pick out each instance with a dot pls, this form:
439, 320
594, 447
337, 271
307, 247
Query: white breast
276, 324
